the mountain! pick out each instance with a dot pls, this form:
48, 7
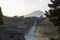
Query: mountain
37, 13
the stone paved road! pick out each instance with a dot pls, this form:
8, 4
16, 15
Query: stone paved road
30, 35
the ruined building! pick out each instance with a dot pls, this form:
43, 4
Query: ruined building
8, 33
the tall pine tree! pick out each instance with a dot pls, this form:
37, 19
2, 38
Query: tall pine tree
54, 14
1, 19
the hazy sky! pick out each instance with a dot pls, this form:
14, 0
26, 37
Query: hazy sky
23, 7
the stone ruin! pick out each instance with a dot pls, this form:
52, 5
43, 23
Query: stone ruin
9, 34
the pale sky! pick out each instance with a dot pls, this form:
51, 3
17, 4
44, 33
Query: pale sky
22, 7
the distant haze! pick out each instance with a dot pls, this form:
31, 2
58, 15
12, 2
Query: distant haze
22, 7
37, 13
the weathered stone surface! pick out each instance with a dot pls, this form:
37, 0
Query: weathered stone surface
3, 27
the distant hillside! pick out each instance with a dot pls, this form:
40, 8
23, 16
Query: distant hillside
37, 13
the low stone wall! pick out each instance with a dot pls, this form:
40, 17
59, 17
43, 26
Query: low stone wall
6, 34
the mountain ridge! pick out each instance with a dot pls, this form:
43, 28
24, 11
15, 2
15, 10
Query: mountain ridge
37, 13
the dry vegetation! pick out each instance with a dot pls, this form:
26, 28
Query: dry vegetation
46, 31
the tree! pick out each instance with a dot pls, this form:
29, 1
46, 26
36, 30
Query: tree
1, 19
54, 14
